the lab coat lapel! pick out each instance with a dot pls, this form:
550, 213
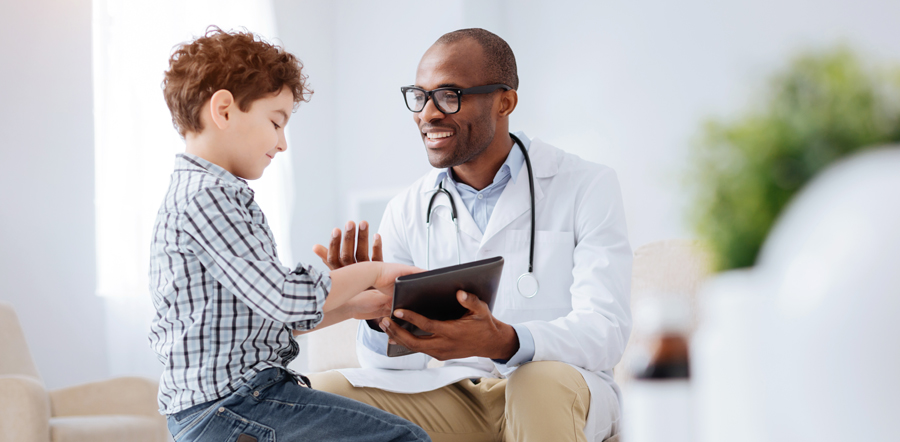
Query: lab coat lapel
515, 201
467, 224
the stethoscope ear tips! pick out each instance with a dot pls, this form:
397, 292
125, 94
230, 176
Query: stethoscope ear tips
527, 285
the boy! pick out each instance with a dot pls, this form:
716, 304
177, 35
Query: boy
226, 307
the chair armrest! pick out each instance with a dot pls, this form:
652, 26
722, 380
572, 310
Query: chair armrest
24, 409
125, 395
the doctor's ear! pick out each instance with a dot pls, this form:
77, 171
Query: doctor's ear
221, 104
508, 101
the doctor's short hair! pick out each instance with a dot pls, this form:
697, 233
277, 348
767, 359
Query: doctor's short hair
500, 61
239, 62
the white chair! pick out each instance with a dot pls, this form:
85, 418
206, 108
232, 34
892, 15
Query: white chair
115, 410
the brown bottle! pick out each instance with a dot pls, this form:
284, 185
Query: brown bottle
657, 401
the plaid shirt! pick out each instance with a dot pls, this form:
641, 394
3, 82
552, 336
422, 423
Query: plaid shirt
225, 306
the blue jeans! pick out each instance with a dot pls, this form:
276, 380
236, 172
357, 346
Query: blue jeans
272, 405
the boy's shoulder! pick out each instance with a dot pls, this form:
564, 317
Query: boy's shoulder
196, 179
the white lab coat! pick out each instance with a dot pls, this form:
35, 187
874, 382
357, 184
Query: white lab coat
581, 314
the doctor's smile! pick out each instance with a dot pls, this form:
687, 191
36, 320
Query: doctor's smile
436, 139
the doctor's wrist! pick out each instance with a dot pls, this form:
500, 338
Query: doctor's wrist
508, 343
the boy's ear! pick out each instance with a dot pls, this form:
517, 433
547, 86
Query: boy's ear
221, 104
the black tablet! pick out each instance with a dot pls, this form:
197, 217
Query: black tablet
433, 293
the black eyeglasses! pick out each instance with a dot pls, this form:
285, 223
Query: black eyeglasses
446, 99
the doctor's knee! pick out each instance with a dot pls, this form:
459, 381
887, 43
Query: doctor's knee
546, 380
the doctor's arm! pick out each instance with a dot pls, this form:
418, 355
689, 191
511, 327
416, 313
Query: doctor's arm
594, 334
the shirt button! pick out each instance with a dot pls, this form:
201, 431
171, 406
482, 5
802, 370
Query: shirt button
256, 394
221, 409
480, 196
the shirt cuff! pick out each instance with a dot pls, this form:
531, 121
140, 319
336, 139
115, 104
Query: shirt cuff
526, 348
377, 342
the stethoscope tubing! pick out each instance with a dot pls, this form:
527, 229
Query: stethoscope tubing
441, 190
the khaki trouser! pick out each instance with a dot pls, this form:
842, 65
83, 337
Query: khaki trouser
541, 401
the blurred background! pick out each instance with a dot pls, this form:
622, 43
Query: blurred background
86, 144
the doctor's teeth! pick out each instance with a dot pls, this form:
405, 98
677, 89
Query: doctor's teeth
435, 135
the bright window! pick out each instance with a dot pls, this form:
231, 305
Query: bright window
135, 142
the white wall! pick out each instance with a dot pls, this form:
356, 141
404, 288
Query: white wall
626, 84
47, 186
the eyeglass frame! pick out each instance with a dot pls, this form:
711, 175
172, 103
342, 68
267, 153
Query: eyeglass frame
429, 95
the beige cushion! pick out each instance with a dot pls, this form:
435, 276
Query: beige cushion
120, 409
24, 410
14, 355
110, 428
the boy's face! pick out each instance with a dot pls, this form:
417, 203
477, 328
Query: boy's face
258, 134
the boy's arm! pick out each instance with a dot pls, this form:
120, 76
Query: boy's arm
240, 255
370, 304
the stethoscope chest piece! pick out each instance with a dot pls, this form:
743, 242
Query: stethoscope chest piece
527, 285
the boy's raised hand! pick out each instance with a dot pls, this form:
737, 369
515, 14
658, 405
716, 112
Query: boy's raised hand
354, 247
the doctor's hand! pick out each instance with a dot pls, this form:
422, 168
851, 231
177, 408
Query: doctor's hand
478, 333
338, 255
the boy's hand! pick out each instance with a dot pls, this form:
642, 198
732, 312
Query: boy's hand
384, 282
370, 304
338, 255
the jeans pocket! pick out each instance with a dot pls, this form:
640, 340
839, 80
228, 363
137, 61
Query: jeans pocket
182, 422
226, 425
187, 415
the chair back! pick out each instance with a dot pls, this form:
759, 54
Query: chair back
15, 359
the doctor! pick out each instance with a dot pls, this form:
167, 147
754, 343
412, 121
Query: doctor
539, 367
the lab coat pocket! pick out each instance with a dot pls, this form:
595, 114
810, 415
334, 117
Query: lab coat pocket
552, 268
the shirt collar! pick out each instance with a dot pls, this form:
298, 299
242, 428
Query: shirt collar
514, 162
193, 162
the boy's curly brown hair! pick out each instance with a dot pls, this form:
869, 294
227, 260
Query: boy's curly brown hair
238, 62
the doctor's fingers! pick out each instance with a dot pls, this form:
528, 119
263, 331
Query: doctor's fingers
362, 242
332, 259
399, 335
472, 303
428, 325
376, 249
349, 245
321, 252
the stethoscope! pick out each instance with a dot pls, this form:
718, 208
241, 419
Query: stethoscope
527, 284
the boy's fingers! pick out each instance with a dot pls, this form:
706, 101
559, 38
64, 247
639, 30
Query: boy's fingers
362, 242
376, 249
349, 243
334, 249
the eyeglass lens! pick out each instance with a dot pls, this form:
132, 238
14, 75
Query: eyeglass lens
445, 100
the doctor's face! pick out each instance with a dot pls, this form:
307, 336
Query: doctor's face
454, 139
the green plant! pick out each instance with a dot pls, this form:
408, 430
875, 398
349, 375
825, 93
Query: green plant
824, 106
